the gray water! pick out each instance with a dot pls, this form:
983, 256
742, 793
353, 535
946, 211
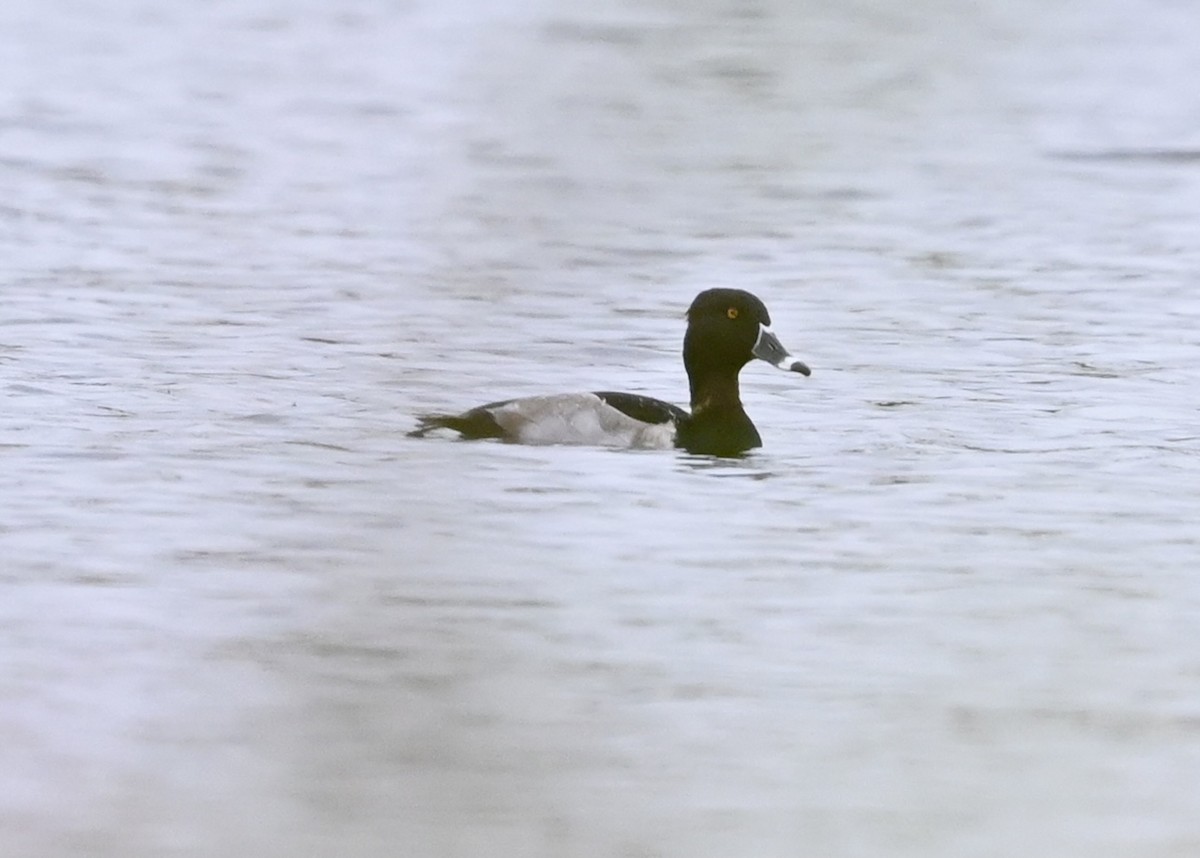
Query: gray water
949, 609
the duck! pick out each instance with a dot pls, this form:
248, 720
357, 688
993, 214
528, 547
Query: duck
726, 329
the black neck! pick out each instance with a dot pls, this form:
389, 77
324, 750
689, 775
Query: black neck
718, 425
715, 391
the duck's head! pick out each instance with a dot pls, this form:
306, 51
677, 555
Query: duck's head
727, 328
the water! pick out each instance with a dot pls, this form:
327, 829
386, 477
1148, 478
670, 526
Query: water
949, 608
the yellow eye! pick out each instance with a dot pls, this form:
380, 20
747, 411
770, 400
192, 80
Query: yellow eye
732, 312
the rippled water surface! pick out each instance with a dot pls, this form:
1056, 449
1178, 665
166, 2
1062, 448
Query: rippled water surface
949, 609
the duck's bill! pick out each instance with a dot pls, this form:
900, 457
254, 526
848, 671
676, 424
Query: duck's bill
769, 348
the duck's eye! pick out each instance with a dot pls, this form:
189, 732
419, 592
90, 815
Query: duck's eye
732, 312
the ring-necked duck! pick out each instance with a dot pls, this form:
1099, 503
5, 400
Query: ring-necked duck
727, 328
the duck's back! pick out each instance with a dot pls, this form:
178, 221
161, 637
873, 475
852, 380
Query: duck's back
602, 419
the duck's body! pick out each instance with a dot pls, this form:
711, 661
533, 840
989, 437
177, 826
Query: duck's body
598, 419
727, 328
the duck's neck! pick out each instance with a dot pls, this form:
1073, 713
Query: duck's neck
715, 393
718, 425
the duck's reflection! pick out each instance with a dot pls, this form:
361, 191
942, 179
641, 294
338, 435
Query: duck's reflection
745, 466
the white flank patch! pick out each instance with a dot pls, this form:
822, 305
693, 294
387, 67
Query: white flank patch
579, 418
